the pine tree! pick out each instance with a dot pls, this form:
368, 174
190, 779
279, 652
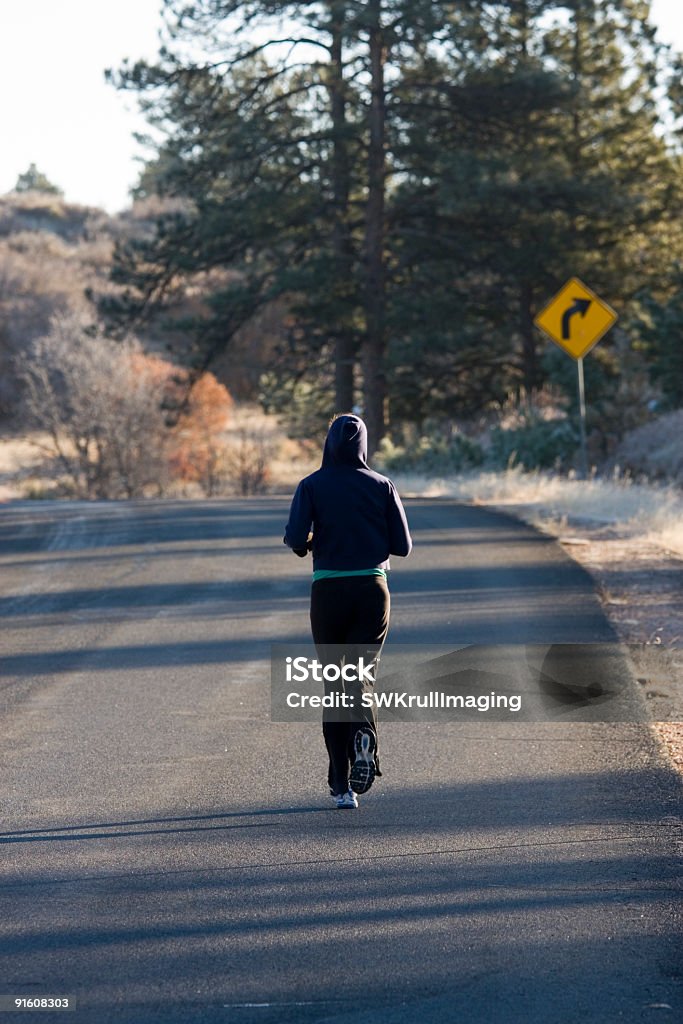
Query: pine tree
534, 155
483, 210
258, 146
285, 163
34, 180
412, 179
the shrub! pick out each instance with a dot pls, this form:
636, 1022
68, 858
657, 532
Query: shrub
432, 455
105, 406
199, 449
538, 444
654, 450
249, 454
100, 402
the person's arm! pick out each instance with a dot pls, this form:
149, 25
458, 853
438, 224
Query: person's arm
300, 519
400, 542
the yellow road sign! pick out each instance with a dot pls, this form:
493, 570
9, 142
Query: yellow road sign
576, 319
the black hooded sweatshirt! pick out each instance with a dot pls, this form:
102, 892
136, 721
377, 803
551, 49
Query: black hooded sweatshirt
356, 514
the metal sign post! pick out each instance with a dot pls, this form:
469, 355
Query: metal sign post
582, 420
576, 319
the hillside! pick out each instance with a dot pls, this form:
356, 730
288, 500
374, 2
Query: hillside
51, 253
55, 259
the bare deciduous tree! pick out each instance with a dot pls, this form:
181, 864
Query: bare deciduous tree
100, 402
249, 456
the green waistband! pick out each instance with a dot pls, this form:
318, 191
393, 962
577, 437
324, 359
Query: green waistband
333, 574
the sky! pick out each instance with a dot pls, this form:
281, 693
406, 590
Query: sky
58, 112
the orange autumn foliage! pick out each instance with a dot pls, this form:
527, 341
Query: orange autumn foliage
198, 450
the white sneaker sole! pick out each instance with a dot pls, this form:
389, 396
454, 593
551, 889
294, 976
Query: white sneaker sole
363, 770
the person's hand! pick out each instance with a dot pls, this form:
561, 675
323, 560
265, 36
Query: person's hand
302, 552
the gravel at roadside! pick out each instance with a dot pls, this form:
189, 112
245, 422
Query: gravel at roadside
640, 586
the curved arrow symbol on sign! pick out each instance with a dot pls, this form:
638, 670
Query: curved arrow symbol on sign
580, 306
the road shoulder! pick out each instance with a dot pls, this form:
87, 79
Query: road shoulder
640, 587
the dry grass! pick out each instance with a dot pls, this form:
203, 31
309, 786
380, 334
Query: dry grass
23, 463
653, 512
28, 470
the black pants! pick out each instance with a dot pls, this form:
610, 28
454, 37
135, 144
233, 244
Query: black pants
351, 612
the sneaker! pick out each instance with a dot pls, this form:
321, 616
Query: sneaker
346, 801
363, 770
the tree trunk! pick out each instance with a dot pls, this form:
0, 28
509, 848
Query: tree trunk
530, 368
374, 380
341, 236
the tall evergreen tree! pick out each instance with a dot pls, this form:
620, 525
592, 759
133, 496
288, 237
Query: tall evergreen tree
534, 155
484, 204
257, 142
413, 178
281, 148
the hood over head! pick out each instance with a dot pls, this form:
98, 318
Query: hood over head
346, 443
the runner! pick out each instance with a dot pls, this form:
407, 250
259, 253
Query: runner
352, 519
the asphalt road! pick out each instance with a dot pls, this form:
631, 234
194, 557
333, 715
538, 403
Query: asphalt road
171, 855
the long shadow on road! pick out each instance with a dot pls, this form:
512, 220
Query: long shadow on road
525, 900
588, 799
26, 527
